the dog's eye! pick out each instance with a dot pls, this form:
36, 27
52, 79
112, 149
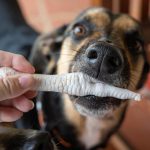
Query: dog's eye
79, 30
134, 42
136, 46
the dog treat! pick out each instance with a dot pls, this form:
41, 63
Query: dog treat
78, 84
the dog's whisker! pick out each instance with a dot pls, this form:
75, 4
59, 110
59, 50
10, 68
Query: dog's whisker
68, 44
64, 54
132, 85
133, 75
132, 81
135, 70
62, 63
74, 50
69, 60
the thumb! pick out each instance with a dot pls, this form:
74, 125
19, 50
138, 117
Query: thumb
15, 86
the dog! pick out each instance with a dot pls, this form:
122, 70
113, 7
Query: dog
108, 47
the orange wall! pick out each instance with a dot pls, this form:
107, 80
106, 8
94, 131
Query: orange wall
45, 15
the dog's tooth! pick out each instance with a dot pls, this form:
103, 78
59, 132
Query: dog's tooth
77, 84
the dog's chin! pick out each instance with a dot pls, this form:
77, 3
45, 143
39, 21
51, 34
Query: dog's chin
95, 106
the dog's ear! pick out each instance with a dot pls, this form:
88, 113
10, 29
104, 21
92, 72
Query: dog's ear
46, 50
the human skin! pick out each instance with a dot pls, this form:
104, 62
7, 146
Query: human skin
15, 94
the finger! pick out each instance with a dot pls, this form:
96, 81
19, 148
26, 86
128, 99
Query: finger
15, 61
23, 104
9, 114
7, 102
12, 87
25, 66
30, 94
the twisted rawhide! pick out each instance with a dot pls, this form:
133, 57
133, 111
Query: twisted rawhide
78, 84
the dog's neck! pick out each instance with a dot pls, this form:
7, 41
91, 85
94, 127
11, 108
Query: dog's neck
91, 135
72, 115
88, 128
92, 131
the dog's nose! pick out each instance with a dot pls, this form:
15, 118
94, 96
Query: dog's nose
40, 141
105, 57
111, 62
92, 55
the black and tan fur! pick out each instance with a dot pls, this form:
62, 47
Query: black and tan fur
78, 123
63, 52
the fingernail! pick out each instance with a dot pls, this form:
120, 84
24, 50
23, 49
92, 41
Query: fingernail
31, 106
25, 81
33, 69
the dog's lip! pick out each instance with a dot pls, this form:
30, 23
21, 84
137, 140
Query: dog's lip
91, 97
88, 96
91, 102
96, 106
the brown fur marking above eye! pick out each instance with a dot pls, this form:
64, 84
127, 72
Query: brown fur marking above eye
124, 23
120, 26
99, 17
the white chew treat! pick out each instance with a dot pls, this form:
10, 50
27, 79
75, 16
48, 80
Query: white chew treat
78, 84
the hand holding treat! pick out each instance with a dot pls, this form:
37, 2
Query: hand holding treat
78, 84
14, 92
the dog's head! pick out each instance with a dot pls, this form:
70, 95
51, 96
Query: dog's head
105, 46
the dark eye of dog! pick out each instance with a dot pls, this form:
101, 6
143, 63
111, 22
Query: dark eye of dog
138, 46
134, 43
135, 46
79, 30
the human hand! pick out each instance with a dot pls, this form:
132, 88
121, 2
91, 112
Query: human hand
15, 92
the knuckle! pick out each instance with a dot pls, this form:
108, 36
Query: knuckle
7, 85
10, 86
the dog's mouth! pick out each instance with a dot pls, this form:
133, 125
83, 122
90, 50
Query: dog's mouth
94, 102
91, 105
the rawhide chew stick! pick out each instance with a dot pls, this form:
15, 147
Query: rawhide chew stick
78, 84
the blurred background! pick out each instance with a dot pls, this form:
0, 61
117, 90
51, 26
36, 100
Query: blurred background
46, 15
